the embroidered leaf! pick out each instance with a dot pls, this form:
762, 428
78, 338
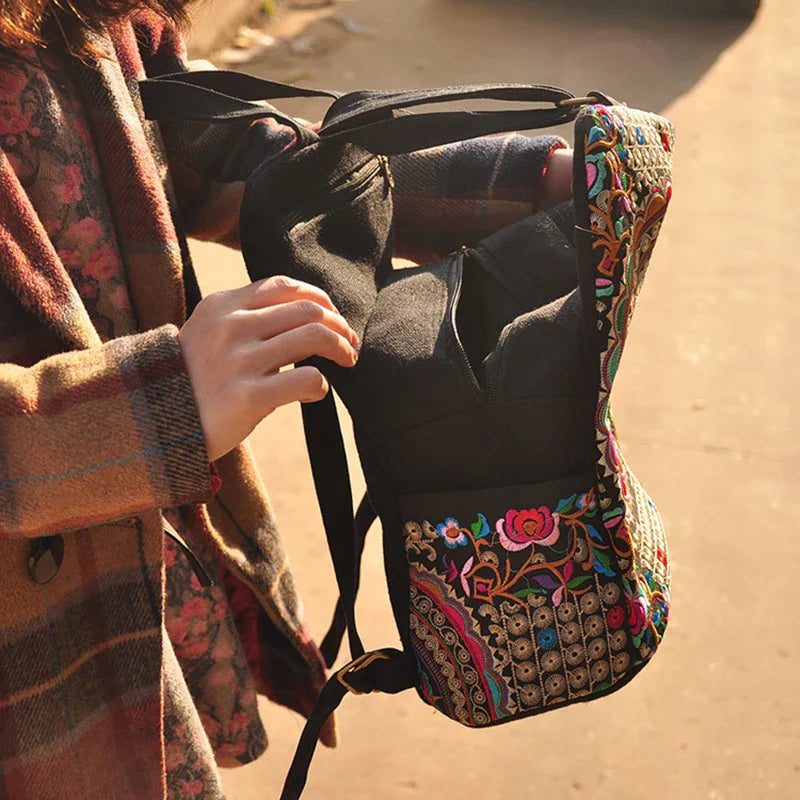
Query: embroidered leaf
581, 580
558, 596
566, 505
595, 134
547, 581
594, 533
523, 593
602, 564
480, 528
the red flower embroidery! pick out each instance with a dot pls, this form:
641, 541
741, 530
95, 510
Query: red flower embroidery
521, 529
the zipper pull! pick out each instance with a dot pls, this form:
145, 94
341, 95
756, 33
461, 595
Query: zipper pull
387, 170
461, 251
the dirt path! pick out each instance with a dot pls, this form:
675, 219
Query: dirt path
706, 404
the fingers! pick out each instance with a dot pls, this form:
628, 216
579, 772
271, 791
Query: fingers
305, 384
265, 323
298, 344
276, 290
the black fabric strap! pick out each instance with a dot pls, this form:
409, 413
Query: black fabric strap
241, 85
332, 484
373, 119
365, 516
410, 132
169, 100
389, 670
357, 108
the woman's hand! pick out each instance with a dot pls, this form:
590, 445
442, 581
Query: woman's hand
557, 179
235, 343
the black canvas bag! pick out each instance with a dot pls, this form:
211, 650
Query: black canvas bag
526, 567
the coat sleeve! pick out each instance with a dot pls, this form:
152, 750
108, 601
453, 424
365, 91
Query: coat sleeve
456, 194
93, 435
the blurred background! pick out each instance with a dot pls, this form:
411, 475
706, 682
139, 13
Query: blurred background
706, 402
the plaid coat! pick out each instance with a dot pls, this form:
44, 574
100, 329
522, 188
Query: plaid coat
96, 438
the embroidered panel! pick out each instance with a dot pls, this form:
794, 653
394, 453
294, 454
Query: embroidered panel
628, 157
517, 612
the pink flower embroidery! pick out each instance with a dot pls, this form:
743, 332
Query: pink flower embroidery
70, 258
88, 291
192, 788
101, 264
12, 82
637, 614
70, 190
193, 648
521, 529
229, 753
211, 726
13, 120
178, 629
196, 607
86, 232
239, 723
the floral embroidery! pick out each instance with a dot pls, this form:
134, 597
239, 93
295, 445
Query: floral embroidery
452, 534
628, 161
520, 529
43, 134
203, 634
503, 603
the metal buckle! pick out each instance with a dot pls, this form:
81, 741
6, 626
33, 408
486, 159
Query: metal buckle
360, 663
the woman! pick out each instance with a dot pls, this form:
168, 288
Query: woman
125, 402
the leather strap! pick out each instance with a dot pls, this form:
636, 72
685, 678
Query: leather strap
386, 670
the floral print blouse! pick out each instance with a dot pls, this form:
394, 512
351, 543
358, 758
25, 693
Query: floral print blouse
210, 708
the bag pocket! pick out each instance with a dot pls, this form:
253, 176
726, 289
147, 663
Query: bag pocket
515, 601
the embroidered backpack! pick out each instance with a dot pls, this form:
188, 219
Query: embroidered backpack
526, 566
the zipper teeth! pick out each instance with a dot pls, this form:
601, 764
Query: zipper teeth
496, 355
300, 213
459, 261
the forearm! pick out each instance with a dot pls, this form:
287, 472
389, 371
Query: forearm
93, 435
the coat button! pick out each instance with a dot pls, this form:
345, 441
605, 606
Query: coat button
45, 557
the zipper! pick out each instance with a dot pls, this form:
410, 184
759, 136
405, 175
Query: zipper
495, 357
493, 365
351, 187
458, 265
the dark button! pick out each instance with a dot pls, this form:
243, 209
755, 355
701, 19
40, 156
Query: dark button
45, 557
